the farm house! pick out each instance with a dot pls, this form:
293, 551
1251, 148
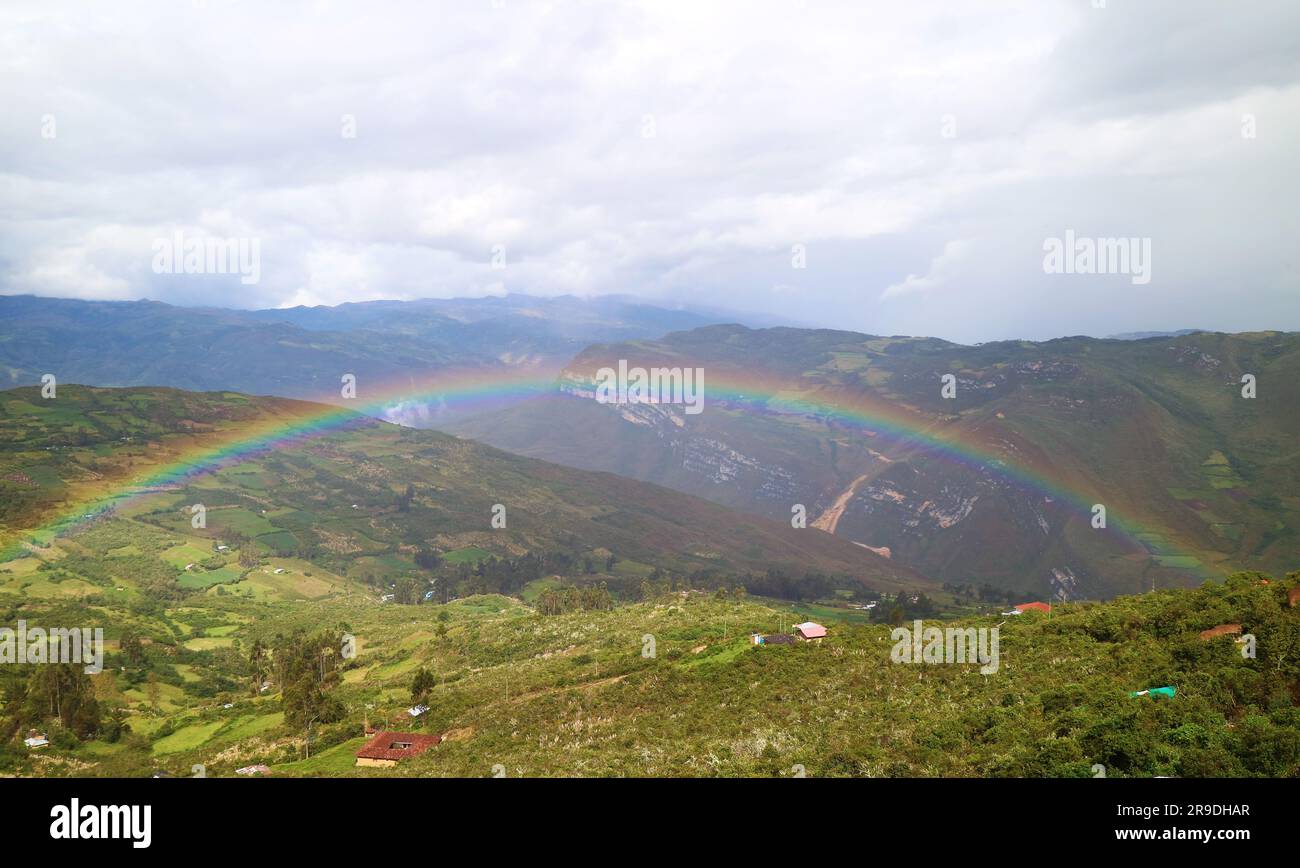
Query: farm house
387, 749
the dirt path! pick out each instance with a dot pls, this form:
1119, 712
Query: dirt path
547, 691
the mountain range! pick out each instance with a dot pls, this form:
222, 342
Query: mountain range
997, 483
302, 352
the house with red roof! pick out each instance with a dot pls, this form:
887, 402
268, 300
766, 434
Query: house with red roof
810, 631
387, 749
1021, 608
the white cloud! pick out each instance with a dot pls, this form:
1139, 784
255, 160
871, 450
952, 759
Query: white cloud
773, 125
943, 268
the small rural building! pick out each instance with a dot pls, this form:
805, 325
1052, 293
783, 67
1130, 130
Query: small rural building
775, 639
258, 769
810, 631
1221, 630
387, 749
36, 740
1035, 606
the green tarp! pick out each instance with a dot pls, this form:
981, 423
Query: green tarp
1156, 691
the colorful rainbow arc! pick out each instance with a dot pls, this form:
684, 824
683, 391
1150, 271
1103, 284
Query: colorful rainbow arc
468, 391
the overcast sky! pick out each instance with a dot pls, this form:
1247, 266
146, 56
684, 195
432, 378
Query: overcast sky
914, 157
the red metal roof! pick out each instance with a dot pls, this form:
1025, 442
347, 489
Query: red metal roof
1040, 607
382, 745
810, 630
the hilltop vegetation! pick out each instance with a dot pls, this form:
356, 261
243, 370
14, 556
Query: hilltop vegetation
521, 693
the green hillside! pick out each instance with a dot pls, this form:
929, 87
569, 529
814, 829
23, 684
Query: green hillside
523, 694
344, 578
367, 499
1201, 480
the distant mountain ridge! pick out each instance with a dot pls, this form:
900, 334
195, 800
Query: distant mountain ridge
302, 352
1141, 336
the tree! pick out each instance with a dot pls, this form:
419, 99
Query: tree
63, 691
132, 650
114, 725
427, 559
407, 590
423, 682
257, 666
309, 670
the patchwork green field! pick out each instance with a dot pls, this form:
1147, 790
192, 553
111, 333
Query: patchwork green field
578, 694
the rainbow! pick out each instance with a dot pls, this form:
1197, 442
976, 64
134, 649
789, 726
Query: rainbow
468, 391
888, 422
